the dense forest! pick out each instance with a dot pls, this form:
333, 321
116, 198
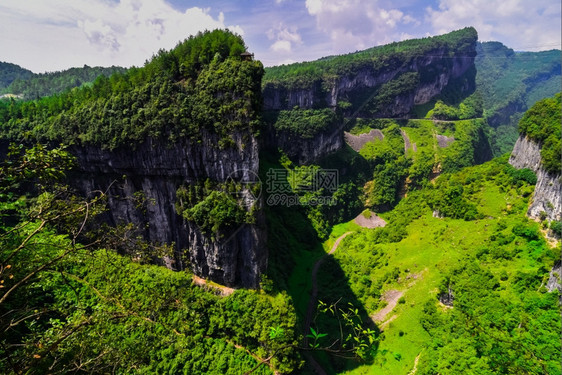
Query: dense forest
169, 97
45, 84
10, 72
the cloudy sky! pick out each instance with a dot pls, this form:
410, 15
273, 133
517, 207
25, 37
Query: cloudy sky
49, 35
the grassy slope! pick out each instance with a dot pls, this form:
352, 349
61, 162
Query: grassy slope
432, 246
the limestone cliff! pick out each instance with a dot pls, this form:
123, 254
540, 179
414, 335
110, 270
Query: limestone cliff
548, 190
382, 82
154, 171
305, 150
436, 70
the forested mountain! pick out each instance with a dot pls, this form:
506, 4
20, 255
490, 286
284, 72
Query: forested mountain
338, 216
10, 72
140, 139
367, 82
510, 83
34, 86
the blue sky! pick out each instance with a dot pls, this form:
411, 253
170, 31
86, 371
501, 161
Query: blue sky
49, 35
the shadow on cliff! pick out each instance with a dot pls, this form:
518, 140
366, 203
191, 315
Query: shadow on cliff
294, 248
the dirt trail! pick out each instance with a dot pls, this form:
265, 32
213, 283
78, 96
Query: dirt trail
221, 289
415, 369
407, 143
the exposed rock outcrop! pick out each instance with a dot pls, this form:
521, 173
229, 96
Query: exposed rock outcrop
305, 150
390, 87
437, 64
548, 190
555, 278
356, 142
154, 171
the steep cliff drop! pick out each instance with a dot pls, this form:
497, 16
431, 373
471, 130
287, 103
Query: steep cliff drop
539, 149
142, 185
173, 144
382, 82
547, 197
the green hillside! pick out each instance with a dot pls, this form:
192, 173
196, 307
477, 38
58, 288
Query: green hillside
480, 248
510, 83
11, 72
45, 84
169, 97
494, 267
379, 58
412, 237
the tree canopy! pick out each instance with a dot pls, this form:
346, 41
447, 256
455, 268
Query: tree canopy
201, 85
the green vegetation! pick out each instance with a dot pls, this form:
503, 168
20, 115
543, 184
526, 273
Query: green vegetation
69, 305
215, 209
306, 74
304, 123
10, 72
469, 108
494, 265
390, 168
396, 167
460, 268
541, 123
375, 102
46, 84
200, 86
510, 83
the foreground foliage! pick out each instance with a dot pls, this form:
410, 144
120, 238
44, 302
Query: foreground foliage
68, 305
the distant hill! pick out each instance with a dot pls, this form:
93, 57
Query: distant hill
33, 86
510, 83
10, 72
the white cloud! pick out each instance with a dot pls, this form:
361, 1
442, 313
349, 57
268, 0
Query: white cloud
56, 34
281, 46
522, 25
285, 38
357, 24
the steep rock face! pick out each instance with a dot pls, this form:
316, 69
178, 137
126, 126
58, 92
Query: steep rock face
548, 190
437, 70
367, 89
153, 172
305, 150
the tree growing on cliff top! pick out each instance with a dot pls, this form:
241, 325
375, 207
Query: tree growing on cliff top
541, 123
